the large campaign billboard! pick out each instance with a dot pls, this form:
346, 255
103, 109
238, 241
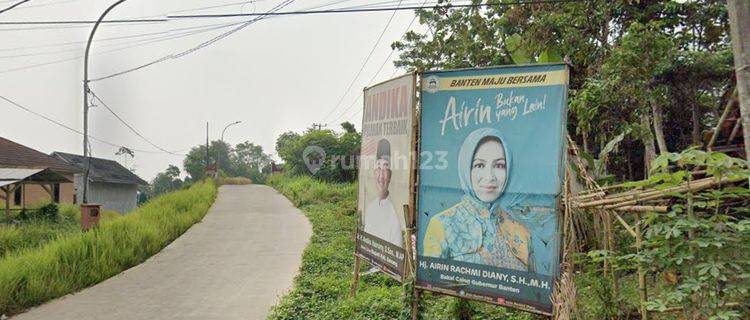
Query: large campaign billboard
386, 173
490, 174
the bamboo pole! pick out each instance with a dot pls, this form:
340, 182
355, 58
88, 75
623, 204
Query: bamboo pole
616, 202
642, 291
645, 193
680, 308
643, 208
723, 117
625, 225
637, 190
692, 187
355, 279
415, 303
611, 244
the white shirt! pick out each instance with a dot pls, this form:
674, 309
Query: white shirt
382, 221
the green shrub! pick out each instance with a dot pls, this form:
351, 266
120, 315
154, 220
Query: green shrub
322, 287
76, 261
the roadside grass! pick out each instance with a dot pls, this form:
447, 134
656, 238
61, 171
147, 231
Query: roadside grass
71, 262
34, 232
322, 288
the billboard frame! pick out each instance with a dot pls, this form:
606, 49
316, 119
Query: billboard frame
562, 190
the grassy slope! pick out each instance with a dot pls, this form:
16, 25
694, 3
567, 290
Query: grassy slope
34, 233
76, 261
322, 287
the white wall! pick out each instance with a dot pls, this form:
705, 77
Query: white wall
122, 198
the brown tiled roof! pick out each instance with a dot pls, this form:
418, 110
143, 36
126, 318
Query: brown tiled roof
102, 170
15, 155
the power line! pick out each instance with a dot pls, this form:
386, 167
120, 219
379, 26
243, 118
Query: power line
360, 97
351, 84
68, 127
162, 36
449, 6
46, 4
13, 6
104, 52
381, 66
221, 25
198, 47
130, 126
80, 21
138, 35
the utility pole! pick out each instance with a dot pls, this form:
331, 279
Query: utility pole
208, 162
739, 21
86, 153
218, 156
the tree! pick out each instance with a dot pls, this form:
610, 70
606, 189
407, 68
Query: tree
613, 47
195, 161
339, 161
166, 181
249, 161
348, 127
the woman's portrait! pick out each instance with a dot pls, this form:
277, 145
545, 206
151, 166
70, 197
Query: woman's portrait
479, 229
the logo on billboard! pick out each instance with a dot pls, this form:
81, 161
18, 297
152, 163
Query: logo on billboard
432, 84
313, 157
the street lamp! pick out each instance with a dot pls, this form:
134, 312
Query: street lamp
86, 153
218, 154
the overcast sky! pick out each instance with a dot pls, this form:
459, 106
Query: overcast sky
280, 74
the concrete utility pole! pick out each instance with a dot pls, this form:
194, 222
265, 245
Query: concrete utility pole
739, 21
208, 161
86, 153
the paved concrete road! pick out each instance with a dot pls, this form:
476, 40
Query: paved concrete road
233, 265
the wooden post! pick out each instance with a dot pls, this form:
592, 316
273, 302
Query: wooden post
355, 279
7, 201
408, 263
23, 196
642, 291
413, 183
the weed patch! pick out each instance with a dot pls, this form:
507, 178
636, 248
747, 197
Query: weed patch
322, 287
75, 261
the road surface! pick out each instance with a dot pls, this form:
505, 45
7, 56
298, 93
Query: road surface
235, 264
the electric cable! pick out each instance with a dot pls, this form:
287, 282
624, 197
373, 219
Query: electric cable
380, 69
102, 52
128, 124
70, 128
46, 4
13, 6
196, 48
369, 55
448, 6
161, 36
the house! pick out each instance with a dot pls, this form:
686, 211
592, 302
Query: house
110, 184
29, 177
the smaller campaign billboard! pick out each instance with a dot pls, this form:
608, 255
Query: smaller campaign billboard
386, 173
490, 175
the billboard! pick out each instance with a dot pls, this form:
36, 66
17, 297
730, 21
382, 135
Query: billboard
385, 173
490, 173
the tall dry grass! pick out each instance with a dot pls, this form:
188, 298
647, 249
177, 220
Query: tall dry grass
74, 262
